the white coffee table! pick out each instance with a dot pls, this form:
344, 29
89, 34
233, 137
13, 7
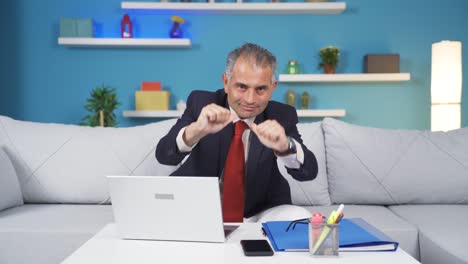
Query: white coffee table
107, 247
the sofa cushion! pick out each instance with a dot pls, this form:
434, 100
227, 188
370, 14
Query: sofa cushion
59, 163
442, 231
310, 192
382, 166
48, 233
10, 192
385, 220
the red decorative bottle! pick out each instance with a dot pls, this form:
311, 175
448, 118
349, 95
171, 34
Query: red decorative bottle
126, 27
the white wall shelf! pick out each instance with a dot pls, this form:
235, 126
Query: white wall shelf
125, 42
354, 77
321, 113
242, 8
175, 113
155, 113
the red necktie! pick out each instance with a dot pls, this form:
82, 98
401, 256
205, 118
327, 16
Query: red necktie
233, 183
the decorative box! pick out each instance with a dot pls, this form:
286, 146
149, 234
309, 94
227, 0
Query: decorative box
67, 27
152, 100
84, 28
382, 63
76, 27
151, 86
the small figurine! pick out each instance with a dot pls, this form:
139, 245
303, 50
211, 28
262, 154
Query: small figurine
290, 98
292, 68
181, 105
126, 27
305, 100
176, 32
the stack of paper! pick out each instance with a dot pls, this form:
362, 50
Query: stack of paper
355, 234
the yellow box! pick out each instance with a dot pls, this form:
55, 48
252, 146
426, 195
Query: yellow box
152, 100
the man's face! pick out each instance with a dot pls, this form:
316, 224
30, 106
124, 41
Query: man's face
249, 89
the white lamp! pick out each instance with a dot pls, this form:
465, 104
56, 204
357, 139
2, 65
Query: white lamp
446, 85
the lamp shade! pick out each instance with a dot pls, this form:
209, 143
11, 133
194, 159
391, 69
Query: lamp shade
446, 85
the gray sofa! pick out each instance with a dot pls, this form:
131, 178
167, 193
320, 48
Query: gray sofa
413, 185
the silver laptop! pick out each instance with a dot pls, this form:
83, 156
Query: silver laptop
168, 208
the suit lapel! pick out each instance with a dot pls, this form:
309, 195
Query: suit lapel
224, 136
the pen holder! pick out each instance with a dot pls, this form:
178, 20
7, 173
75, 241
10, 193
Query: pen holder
323, 239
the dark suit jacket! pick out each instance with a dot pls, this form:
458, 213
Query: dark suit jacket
265, 187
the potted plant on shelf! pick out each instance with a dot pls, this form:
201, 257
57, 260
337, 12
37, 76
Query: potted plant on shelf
329, 58
102, 104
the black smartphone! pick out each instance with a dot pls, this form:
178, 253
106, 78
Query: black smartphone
253, 248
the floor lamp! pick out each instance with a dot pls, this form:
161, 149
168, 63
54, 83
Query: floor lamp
446, 85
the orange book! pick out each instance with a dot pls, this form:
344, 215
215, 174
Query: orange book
151, 86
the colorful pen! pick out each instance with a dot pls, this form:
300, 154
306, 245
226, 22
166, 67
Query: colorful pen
339, 211
338, 219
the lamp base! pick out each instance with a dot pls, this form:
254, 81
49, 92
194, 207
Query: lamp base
445, 117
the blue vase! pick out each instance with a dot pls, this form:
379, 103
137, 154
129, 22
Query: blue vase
176, 32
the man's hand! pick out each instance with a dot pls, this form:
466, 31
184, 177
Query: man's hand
272, 135
212, 119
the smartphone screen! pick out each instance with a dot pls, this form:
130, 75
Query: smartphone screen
256, 248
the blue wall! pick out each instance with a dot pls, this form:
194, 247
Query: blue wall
42, 81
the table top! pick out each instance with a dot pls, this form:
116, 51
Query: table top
107, 247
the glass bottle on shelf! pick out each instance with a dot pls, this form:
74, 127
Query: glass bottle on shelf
305, 100
126, 27
290, 98
292, 68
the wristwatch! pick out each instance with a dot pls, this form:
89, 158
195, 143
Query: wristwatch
291, 150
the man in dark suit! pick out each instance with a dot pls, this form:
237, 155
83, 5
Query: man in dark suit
205, 133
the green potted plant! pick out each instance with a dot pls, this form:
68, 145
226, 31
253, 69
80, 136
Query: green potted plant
329, 58
102, 104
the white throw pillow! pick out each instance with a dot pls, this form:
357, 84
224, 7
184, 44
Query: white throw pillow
58, 163
386, 166
313, 192
10, 192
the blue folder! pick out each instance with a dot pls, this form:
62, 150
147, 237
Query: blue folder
354, 234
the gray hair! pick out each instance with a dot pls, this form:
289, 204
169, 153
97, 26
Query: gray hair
261, 56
